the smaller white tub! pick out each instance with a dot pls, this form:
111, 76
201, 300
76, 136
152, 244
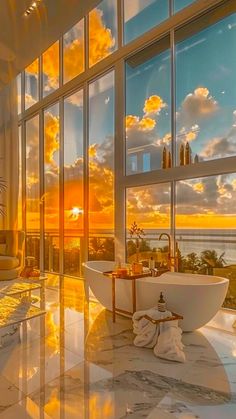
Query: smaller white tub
196, 297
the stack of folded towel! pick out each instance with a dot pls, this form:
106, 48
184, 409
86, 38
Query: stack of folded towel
164, 338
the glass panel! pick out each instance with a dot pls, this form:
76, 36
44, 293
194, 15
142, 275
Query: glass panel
140, 16
32, 189
32, 84
148, 123
51, 69
19, 213
51, 187
148, 207
19, 91
73, 184
102, 31
73, 52
101, 167
181, 4
206, 91
206, 228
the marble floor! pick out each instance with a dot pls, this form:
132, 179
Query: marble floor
75, 363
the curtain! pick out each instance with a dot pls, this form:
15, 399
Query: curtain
9, 155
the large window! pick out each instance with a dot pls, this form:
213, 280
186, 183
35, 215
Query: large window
32, 84
102, 31
51, 188
73, 52
51, 69
178, 88
140, 16
32, 188
205, 90
148, 127
73, 183
206, 228
149, 208
101, 167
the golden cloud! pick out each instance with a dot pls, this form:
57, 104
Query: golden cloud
191, 136
101, 41
147, 124
92, 150
131, 121
74, 59
51, 66
153, 105
198, 187
201, 91
167, 138
51, 137
33, 68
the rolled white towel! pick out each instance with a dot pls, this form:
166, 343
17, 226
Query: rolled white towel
169, 344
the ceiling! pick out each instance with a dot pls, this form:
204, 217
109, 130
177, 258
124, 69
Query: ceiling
22, 39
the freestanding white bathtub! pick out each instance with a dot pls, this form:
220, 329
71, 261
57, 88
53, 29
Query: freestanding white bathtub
196, 297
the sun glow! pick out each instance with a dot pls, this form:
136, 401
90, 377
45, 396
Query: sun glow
76, 212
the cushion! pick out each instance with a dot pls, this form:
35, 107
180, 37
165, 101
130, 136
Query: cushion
8, 262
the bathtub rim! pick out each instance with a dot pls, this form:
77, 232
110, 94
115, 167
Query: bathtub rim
222, 280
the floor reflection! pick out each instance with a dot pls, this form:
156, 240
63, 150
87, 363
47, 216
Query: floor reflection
76, 363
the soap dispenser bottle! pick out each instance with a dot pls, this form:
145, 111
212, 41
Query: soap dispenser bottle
161, 303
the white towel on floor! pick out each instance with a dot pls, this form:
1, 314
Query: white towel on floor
165, 337
169, 343
146, 332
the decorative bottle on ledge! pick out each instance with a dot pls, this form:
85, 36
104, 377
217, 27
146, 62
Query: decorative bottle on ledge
181, 155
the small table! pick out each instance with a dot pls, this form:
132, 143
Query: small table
13, 311
114, 276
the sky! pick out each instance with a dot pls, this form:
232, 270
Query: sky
205, 117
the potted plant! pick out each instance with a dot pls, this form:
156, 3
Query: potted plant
137, 234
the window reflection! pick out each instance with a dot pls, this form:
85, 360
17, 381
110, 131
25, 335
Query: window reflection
102, 31
32, 189
73, 52
148, 128
73, 183
51, 187
101, 167
32, 84
51, 69
141, 16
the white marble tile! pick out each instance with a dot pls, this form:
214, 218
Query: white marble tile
9, 394
30, 367
224, 320
25, 409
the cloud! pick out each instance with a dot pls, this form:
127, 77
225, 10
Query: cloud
220, 147
101, 44
101, 41
153, 105
196, 107
51, 66
51, 142
146, 124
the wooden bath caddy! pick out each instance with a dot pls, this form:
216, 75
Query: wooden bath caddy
132, 277
174, 316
